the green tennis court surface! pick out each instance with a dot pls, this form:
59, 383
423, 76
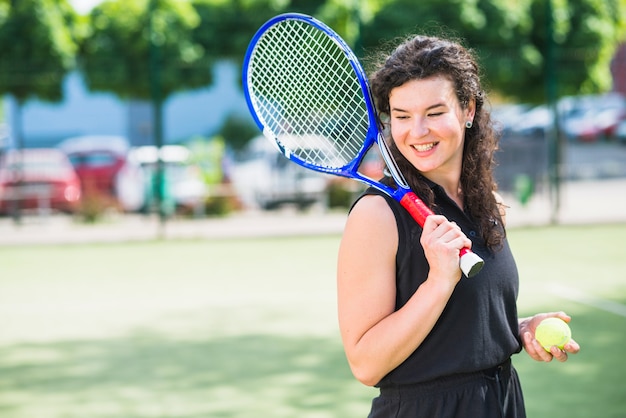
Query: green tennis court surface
247, 328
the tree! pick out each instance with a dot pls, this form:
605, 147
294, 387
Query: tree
144, 49
495, 29
586, 35
511, 39
226, 28
498, 32
37, 50
117, 54
348, 17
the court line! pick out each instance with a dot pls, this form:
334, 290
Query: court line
589, 300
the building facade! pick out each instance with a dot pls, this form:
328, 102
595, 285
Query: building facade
186, 114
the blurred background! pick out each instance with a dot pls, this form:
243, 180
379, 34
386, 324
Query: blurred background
136, 106
123, 122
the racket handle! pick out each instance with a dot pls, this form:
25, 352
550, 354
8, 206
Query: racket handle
418, 210
470, 263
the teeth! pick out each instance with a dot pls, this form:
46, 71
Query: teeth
424, 147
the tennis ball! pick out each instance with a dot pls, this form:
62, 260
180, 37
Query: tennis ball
553, 331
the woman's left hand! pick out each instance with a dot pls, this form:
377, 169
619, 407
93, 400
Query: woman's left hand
527, 329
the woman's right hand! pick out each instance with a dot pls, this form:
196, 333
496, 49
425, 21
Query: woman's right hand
442, 241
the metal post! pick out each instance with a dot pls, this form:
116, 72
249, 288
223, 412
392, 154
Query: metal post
553, 134
157, 112
18, 135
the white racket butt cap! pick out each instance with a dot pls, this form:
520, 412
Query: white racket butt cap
471, 264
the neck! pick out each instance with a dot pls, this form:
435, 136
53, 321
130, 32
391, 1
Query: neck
456, 194
451, 185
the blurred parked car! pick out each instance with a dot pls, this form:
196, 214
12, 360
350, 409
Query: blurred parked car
534, 121
592, 118
505, 116
584, 118
620, 132
102, 165
4, 135
183, 187
38, 179
265, 178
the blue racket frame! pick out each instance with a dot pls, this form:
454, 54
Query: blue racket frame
373, 135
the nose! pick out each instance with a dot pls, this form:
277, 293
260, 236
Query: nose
419, 127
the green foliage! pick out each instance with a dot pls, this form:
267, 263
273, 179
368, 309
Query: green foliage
585, 34
4, 10
523, 188
133, 41
94, 205
494, 28
130, 46
590, 45
208, 155
237, 131
511, 39
220, 205
240, 19
340, 195
227, 27
36, 48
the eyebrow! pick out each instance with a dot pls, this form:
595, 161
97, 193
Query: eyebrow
433, 106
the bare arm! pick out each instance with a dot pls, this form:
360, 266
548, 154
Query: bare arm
377, 338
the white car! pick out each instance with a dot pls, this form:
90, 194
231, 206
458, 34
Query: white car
266, 179
184, 186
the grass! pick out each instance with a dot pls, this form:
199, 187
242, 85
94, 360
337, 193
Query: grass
247, 327
580, 270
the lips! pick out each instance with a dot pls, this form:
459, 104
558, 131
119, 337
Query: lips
424, 147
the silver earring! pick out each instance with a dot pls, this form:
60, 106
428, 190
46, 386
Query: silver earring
468, 124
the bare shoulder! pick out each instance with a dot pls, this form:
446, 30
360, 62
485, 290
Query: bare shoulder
372, 212
371, 227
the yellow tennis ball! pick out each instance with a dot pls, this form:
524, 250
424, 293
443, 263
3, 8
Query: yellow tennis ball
553, 331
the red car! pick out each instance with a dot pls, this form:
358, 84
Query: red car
38, 178
97, 160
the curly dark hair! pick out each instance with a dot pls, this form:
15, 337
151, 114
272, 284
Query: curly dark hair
421, 57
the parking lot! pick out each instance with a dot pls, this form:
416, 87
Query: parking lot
581, 202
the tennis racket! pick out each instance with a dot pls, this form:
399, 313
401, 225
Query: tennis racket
309, 95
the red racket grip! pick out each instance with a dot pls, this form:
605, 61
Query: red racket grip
418, 210
470, 263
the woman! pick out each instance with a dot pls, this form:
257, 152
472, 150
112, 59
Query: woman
436, 344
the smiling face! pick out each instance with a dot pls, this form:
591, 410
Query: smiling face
428, 126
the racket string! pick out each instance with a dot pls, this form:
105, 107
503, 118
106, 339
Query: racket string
308, 94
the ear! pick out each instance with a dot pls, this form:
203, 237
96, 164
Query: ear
470, 111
